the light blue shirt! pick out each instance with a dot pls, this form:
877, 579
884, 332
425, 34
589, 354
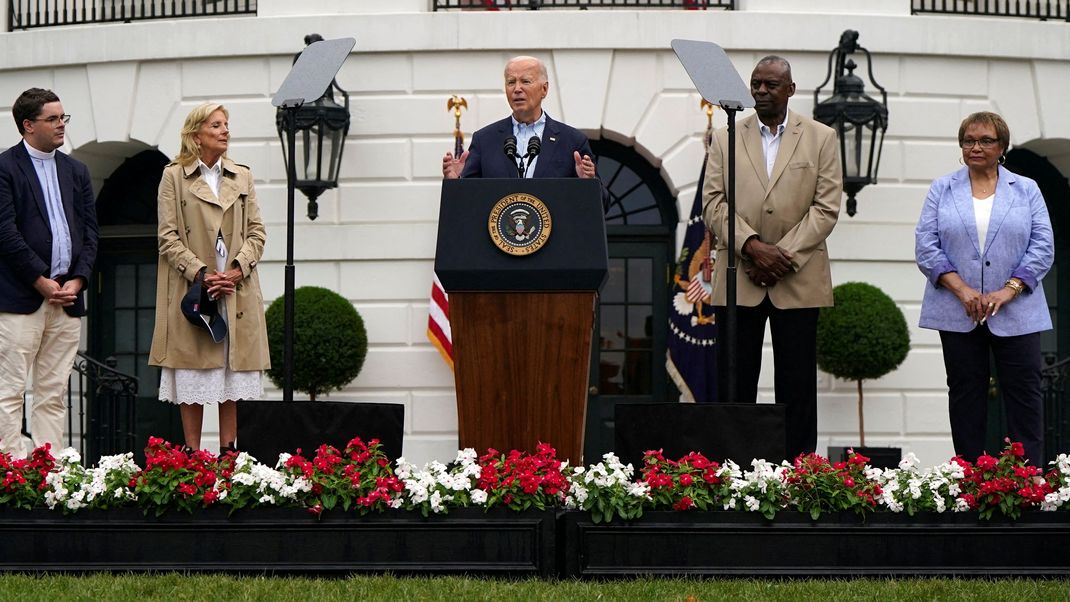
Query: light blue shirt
771, 143
523, 133
45, 166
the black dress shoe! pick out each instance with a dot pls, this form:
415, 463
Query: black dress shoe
228, 448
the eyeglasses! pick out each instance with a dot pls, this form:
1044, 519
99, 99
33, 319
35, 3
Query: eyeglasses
53, 120
986, 143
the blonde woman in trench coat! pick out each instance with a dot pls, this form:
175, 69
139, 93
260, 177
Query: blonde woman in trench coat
209, 229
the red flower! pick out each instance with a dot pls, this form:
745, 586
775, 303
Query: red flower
1017, 449
685, 479
685, 503
987, 463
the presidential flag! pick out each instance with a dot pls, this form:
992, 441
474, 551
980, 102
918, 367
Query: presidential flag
691, 357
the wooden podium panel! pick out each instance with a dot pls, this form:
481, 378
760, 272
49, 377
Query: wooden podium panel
521, 366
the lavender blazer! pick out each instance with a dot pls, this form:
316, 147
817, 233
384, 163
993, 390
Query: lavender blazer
1019, 243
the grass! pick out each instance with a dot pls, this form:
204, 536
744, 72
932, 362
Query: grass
175, 587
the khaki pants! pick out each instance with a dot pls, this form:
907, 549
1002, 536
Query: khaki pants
45, 341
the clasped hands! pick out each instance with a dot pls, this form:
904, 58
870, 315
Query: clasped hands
63, 295
981, 306
221, 284
767, 264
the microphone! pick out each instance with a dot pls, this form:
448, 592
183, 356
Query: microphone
534, 146
510, 148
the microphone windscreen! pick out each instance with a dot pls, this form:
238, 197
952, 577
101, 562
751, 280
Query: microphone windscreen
510, 146
534, 146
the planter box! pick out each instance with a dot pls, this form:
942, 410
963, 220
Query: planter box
468, 540
745, 544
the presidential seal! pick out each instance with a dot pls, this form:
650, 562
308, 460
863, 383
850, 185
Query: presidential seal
519, 224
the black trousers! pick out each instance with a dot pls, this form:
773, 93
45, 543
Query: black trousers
966, 359
794, 333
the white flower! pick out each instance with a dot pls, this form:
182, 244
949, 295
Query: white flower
479, 497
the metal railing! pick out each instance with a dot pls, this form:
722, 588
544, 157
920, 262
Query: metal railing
1054, 378
1030, 9
29, 14
493, 5
106, 408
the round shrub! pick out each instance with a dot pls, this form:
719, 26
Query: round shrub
863, 336
330, 342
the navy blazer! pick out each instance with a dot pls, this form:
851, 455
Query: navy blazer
486, 154
25, 235
1019, 243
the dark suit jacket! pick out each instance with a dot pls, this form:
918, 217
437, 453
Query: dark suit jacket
486, 155
25, 236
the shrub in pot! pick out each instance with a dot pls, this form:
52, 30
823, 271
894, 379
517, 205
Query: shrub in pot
330, 342
862, 337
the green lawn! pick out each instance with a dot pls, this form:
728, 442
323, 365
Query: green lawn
173, 587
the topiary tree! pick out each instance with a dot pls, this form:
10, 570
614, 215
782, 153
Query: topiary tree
863, 336
330, 342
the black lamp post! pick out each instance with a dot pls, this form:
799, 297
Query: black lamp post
859, 120
312, 167
320, 128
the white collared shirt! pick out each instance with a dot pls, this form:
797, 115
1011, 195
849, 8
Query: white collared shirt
45, 166
771, 143
212, 175
523, 133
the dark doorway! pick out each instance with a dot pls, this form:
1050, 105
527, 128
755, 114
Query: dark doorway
628, 360
123, 298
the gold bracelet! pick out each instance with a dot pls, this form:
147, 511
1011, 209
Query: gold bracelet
1014, 285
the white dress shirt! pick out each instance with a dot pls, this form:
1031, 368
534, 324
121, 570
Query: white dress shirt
771, 143
523, 133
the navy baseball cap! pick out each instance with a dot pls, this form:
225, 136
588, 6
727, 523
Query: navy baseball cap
201, 311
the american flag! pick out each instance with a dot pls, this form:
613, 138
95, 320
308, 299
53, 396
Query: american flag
438, 321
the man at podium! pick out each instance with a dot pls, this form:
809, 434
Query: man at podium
528, 143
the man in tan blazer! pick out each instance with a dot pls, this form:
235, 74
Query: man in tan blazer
788, 189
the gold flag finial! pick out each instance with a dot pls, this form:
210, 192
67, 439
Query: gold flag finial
709, 107
455, 104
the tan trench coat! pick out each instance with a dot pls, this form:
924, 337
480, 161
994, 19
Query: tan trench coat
190, 216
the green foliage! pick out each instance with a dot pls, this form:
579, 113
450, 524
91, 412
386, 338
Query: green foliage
330, 342
864, 336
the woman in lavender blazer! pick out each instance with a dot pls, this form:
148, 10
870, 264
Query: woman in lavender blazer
984, 242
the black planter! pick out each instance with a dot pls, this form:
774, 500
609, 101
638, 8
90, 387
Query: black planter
500, 542
745, 544
879, 457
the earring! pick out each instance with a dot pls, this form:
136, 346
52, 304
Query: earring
961, 162
1002, 159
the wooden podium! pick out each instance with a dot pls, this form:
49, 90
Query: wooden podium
522, 320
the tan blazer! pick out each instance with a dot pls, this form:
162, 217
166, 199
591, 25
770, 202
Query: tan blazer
190, 216
795, 209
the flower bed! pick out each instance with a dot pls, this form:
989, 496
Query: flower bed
519, 513
361, 479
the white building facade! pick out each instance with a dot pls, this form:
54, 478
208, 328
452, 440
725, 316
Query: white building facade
612, 75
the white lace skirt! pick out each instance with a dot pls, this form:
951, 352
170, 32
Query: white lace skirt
211, 385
